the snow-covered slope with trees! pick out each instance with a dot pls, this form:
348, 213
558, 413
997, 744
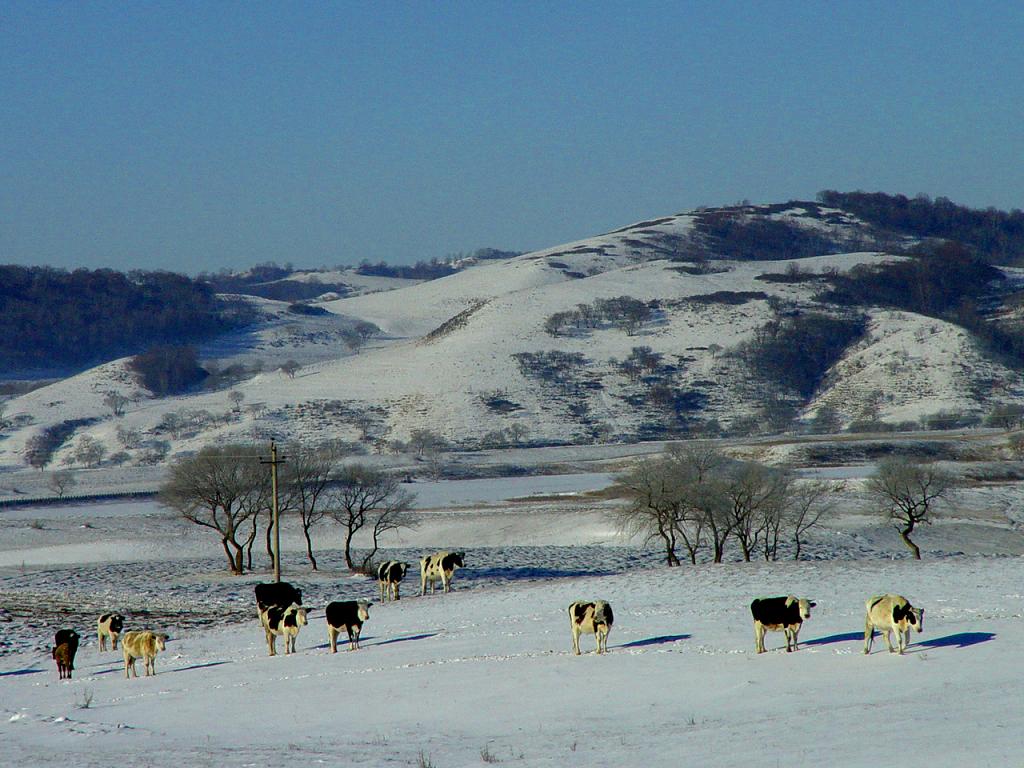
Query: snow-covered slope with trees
475, 356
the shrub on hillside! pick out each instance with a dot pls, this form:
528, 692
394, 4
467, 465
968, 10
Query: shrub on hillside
796, 352
168, 370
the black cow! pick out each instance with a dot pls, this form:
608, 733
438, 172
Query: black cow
65, 646
389, 576
281, 594
348, 615
785, 614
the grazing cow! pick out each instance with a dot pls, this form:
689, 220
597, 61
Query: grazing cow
389, 575
440, 566
282, 621
281, 593
348, 615
143, 645
594, 618
785, 614
109, 625
891, 613
65, 646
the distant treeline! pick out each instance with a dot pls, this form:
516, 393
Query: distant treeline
433, 269
268, 281
996, 235
54, 318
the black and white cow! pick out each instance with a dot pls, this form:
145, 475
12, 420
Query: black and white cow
891, 613
65, 646
109, 625
349, 616
281, 593
779, 614
277, 620
594, 618
389, 576
440, 567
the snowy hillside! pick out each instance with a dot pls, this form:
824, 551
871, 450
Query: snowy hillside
472, 357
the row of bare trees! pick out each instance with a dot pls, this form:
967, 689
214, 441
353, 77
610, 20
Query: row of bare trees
696, 499
227, 490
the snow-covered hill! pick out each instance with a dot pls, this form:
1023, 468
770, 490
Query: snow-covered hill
465, 356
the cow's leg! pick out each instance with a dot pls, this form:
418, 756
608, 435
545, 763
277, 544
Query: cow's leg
888, 640
383, 590
869, 635
423, 580
759, 637
103, 641
576, 640
270, 643
332, 635
395, 587
113, 639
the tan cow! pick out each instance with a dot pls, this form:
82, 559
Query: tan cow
891, 613
141, 645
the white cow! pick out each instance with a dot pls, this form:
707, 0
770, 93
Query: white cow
594, 618
277, 620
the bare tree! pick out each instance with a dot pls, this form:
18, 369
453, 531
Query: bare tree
116, 402
304, 480
754, 495
236, 399
907, 493
425, 441
289, 368
361, 496
60, 482
221, 488
675, 499
89, 451
130, 437
655, 505
808, 502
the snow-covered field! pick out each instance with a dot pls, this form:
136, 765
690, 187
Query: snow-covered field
485, 674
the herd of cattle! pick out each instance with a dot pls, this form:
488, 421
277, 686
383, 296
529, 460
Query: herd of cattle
282, 614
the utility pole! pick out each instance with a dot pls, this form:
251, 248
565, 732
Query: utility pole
275, 518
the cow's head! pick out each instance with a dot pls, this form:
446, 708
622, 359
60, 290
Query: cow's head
804, 605
300, 615
161, 641
459, 558
916, 618
402, 568
364, 609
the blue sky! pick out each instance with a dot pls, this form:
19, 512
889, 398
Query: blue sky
196, 136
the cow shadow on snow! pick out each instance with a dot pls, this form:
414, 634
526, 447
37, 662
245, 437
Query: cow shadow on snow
15, 672
370, 640
958, 640
844, 637
660, 640
527, 572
